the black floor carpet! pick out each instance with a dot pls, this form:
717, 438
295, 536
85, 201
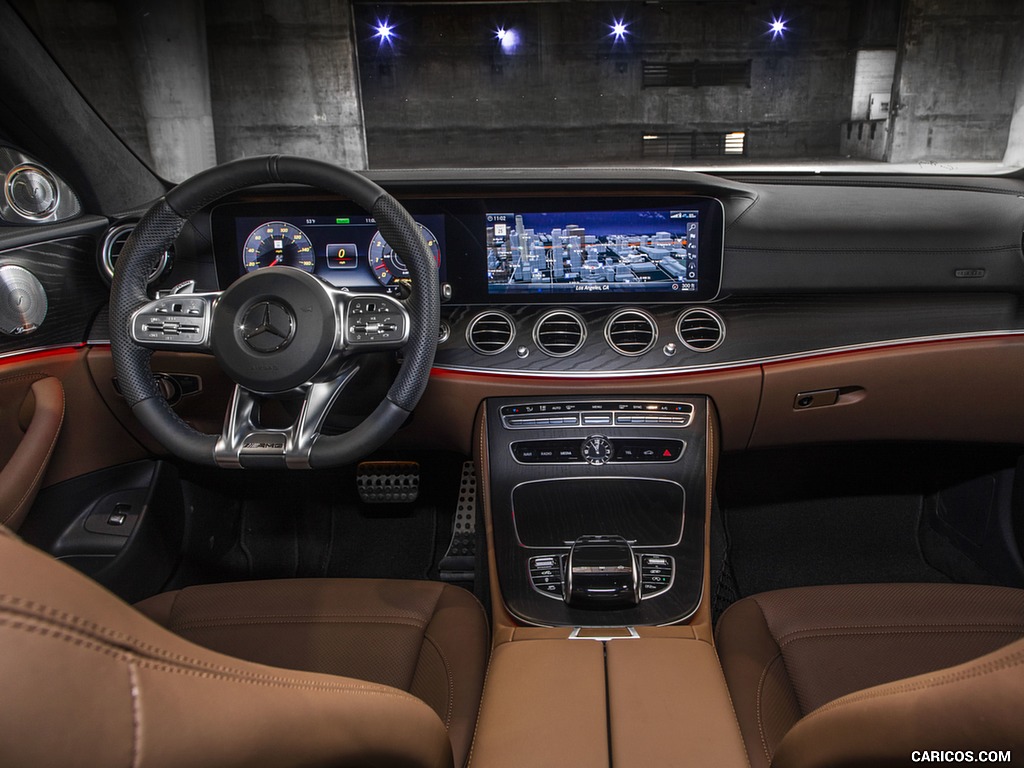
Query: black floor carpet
827, 541
313, 524
803, 517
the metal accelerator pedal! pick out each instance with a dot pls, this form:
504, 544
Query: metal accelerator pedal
458, 563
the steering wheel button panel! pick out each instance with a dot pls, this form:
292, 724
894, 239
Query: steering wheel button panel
173, 322
379, 321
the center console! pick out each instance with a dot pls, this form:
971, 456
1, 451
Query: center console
598, 506
597, 511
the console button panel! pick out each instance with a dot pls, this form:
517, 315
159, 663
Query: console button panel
657, 573
627, 413
575, 451
547, 575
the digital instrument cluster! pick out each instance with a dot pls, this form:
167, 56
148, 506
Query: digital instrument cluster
347, 251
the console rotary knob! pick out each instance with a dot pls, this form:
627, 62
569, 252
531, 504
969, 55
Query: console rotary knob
597, 450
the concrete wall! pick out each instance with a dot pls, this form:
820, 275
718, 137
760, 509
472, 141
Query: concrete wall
187, 87
166, 43
873, 74
446, 85
957, 80
283, 79
85, 38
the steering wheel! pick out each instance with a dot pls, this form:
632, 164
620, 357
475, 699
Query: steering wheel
278, 332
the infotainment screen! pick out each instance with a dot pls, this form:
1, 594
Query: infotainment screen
610, 252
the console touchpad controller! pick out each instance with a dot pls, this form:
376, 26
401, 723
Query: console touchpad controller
601, 573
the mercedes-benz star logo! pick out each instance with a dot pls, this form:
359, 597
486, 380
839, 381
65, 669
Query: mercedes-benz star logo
267, 326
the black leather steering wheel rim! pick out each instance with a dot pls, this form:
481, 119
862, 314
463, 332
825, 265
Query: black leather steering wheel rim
160, 227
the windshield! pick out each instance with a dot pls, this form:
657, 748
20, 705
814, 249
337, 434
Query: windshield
909, 85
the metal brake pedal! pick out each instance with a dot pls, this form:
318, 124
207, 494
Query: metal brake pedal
388, 482
459, 562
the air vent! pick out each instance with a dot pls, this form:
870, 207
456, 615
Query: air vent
700, 329
631, 332
114, 243
560, 333
490, 332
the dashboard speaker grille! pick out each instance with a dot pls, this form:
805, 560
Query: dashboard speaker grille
631, 332
490, 332
700, 329
560, 333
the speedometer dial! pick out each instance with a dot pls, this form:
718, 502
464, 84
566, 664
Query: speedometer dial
388, 266
277, 243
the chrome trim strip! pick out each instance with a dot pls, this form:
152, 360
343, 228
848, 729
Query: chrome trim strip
70, 347
633, 634
712, 367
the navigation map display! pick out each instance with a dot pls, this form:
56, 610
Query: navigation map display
593, 251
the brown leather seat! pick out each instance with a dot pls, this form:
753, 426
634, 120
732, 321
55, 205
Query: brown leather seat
89, 680
869, 674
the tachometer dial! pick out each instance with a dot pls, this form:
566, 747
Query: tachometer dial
388, 266
275, 244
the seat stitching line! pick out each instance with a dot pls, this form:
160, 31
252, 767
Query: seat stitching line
133, 691
936, 630
732, 706
34, 375
479, 711
760, 722
313, 619
224, 673
450, 709
410, 615
136, 647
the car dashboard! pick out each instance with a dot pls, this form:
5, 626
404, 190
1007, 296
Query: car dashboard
663, 281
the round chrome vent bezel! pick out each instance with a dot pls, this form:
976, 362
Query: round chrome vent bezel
546, 317
631, 311
107, 257
715, 317
476, 320
444, 332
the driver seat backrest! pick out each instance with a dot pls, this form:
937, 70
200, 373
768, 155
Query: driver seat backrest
88, 680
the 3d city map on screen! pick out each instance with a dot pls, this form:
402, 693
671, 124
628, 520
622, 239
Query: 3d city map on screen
593, 251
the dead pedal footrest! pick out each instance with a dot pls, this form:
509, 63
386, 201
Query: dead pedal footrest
459, 562
388, 482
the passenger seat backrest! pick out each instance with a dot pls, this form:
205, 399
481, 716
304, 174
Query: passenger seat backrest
89, 681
